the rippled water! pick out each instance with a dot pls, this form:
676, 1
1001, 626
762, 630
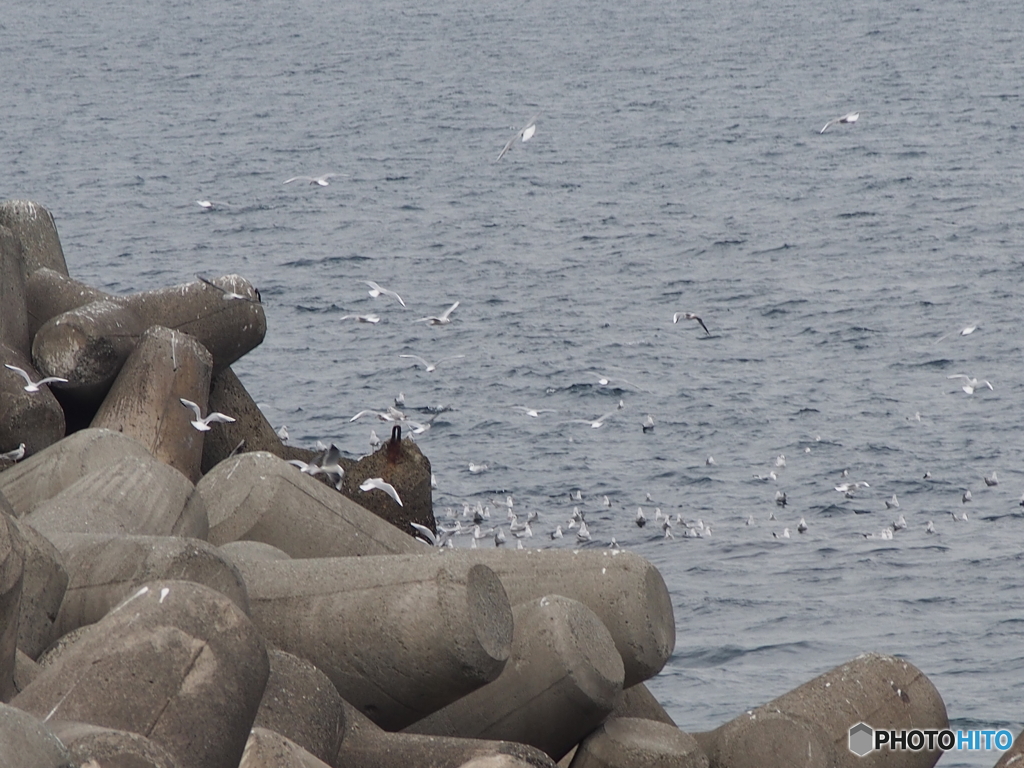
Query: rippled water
677, 166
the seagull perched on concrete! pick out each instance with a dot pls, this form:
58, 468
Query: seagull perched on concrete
16, 455
689, 316
376, 290
33, 386
443, 319
377, 483
849, 117
227, 295
321, 181
428, 366
203, 424
525, 134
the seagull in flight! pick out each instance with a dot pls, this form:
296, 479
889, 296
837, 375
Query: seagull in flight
971, 384
598, 422
321, 181
376, 290
963, 332
689, 316
209, 205
371, 319
33, 386
849, 117
203, 425
533, 412
524, 134
377, 483
428, 366
443, 319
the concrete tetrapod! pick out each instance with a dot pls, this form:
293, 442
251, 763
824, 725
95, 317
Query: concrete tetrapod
560, 683
89, 344
26, 742
400, 637
42, 591
810, 725
94, 747
12, 570
104, 569
368, 746
49, 472
133, 496
145, 399
35, 229
259, 497
269, 749
626, 592
176, 662
624, 742
49, 293
301, 703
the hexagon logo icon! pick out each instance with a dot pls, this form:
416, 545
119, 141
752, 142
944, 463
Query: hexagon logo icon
862, 738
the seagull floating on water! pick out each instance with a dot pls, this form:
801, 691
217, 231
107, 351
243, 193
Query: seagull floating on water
966, 497
378, 483
970, 384
930, 528
900, 524
430, 367
524, 135
203, 425
371, 319
209, 205
476, 469
641, 518
321, 180
992, 479
376, 290
443, 319
689, 316
849, 117
801, 527
33, 386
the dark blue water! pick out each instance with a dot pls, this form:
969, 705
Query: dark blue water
677, 166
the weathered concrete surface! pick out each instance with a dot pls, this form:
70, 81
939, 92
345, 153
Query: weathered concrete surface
13, 303
134, 496
95, 747
809, 726
104, 569
638, 702
49, 293
259, 497
145, 400
399, 636
626, 592
623, 742
368, 746
42, 591
12, 570
35, 229
301, 703
26, 743
1014, 756
89, 344
49, 472
561, 682
269, 749
177, 662
33, 418
252, 550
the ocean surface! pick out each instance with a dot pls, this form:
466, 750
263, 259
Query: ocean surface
677, 166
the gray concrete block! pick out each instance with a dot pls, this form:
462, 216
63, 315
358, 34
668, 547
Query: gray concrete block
36, 230
259, 497
25, 742
809, 726
94, 747
133, 496
369, 746
252, 550
12, 571
269, 749
145, 400
104, 569
624, 742
33, 418
399, 636
49, 293
301, 703
560, 683
638, 702
176, 661
49, 472
42, 591
626, 592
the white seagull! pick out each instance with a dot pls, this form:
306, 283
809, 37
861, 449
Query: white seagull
33, 386
376, 290
689, 316
524, 134
992, 480
443, 319
849, 117
209, 205
372, 319
533, 412
377, 483
971, 384
321, 180
430, 367
598, 422
16, 455
226, 294
203, 425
